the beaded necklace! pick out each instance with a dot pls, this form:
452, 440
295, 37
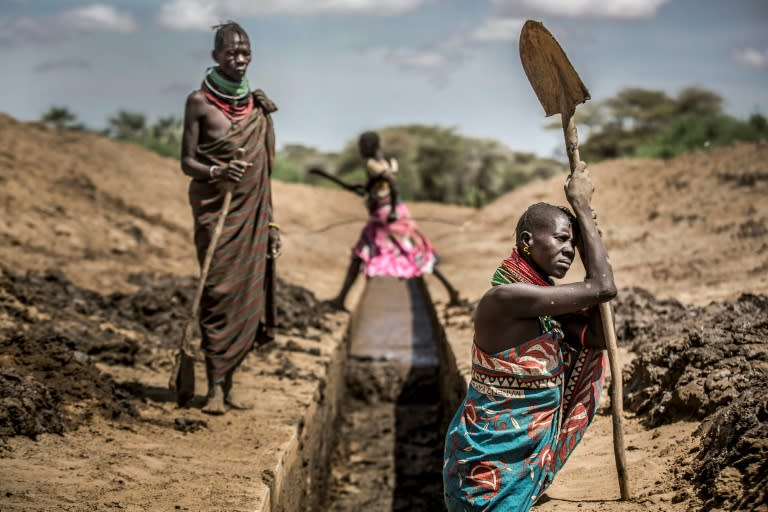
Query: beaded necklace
234, 99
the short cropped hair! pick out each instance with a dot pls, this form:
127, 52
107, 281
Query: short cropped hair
538, 216
226, 28
369, 140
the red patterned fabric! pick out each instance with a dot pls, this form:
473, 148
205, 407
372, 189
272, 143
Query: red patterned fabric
525, 411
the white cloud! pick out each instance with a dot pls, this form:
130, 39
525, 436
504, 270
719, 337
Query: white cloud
426, 60
753, 58
202, 14
27, 31
189, 15
499, 29
435, 62
616, 9
372, 7
98, 18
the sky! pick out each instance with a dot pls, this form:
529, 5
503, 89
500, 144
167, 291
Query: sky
338, 67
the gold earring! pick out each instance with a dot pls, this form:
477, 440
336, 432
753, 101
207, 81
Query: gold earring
527, 250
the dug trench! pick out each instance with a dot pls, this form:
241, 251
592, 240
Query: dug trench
94, 366
389, 453
86, 422
84, 403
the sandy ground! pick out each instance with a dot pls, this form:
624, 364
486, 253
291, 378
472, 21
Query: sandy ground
693, 228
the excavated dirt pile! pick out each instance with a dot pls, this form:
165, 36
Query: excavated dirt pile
53, 333
705, 363
115, 218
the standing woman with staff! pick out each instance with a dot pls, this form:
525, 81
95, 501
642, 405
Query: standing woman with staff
228, 147
537, 361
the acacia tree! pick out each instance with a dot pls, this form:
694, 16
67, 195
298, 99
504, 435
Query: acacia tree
128, 126
647, 122
698, 102
61, 117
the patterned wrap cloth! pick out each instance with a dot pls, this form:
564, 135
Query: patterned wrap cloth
237, 310
397, 248
525, 411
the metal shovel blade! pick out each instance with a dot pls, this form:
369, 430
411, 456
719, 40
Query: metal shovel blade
556, 83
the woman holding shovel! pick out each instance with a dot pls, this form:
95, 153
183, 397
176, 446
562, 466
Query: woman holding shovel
537, 361
390, 244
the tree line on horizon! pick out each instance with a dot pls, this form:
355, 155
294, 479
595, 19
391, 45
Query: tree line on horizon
438, 164
163, 136
643, 123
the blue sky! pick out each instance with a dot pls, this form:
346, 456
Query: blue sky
338, 67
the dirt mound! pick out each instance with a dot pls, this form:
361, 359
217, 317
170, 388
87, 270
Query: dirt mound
705, 363
298, 310
52, 334
731, 470
690, 366
637, 314
49, 386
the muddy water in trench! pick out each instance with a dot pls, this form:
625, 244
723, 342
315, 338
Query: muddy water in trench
389, 453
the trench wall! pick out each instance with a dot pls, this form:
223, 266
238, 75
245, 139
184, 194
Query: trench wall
453, 377
299, 478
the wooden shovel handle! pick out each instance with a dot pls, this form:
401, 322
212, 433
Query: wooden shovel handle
609, 333
617, 393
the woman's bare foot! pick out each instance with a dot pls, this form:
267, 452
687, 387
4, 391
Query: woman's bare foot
234, 401
232, 398
215, 401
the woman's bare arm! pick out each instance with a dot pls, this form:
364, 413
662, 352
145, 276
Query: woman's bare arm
521, 300
193, 113
599, 274
585, 328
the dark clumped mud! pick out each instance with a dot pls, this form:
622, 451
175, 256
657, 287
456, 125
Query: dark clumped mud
54, 335
711, 364
707, 364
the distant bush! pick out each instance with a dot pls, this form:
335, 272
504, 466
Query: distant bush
437, 164
284, 170
688, 134
62, 118
645, 123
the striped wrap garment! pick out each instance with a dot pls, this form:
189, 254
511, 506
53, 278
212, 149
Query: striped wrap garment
237, 310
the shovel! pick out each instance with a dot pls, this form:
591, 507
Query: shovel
182, 379
559, 89
357, 189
